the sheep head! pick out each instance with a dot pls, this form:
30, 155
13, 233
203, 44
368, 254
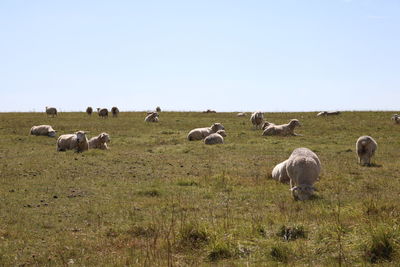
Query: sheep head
80, 136
221, 133
105, 138
294, 123
217, 126
302, 192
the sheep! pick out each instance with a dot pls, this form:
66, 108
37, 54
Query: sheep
158, 109
303, 168
266, 124
102, 112
115, 111
284, 129
51, 111
152, 117
45, 130
89, 110
215, 138
396, 118
279, 173
257, 119
77, 141
365, 147
99, 141
241, 114
328, 113
209, 111
201, 133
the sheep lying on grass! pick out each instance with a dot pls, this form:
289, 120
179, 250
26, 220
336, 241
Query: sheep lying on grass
99, 141
241, 114
365, 147
77, 141
201, 133
303, 168
45, 130
396, 118
89, 110
51, 111
328, 113
152, 117
215, 138
266, 124
103, 112
284, 129
257, 119
279, 173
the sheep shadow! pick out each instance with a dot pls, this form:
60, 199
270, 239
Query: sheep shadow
372, 165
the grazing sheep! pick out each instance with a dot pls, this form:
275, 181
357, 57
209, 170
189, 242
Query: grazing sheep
103, 113
279, 173
89, 110
115, 111
396, 118
284, 129
51, 111
215, 138
303, 168
257, 119
209, 111
328, 113
45, 130
152, 117
76, 141
201, 133
158, 109
99, 141
366, 147
241, 114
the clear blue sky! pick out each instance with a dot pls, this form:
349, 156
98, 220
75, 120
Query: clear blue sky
281, 55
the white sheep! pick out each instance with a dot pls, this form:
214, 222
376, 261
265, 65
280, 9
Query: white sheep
99, 141
303, 168
284, 129
114, 111
396, 118
365, 147
257, 119
279, 173
76, 141
51, 111
103, 112
152, 117
215, 138
241, 114
328, 113
266, 124
46, 130
201, 133
89, 110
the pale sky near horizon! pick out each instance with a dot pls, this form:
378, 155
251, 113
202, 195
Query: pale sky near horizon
284, 55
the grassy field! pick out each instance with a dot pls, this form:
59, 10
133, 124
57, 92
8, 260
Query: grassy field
157, 199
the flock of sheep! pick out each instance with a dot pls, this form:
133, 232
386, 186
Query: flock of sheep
301, 170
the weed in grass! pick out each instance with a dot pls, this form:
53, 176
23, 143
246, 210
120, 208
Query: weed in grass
291, 233
193, 236
381, 246
220, 251
150, 193
280, 253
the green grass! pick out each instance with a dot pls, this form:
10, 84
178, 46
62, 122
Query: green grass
156, 199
